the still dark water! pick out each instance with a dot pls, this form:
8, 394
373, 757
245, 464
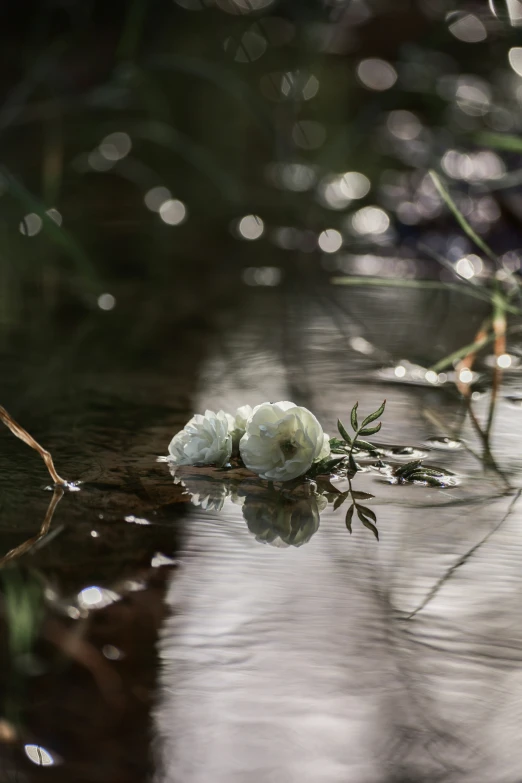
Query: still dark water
170, 632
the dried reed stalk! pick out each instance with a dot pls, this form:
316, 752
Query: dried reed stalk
19, 431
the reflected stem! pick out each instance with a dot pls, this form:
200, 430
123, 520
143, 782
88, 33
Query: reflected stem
464, 558
23, 435
44, 529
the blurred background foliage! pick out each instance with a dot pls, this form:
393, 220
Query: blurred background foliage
213, 144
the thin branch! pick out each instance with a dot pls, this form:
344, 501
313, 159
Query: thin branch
19, 431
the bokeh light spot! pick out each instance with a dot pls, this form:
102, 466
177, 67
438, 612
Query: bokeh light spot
155, 197
106, 302
262, 276
370, 220
247, 48
39, 756
376, 74
355, 185
55, 216
251, 227
173, 212
330, 241
515, 59
504, 361
31, 225
468, 28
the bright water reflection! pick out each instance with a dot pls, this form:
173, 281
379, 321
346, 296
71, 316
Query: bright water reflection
347, 658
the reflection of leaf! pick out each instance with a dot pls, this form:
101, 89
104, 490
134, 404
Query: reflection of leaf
370, 526
365, 514
340, 500
374, 416
349, 517
353, 417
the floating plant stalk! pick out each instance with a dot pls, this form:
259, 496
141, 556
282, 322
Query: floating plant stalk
19, 431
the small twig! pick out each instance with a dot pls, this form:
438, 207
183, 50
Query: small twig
463, 559
46, 524
15, 428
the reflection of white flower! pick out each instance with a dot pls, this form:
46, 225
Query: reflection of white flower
281, 441
213, 501
205, 440
281, 520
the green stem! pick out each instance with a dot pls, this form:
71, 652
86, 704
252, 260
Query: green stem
460, 353
459, 217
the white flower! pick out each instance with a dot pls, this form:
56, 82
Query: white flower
205, 440
238, 425
242, 416
281, 441
325, 451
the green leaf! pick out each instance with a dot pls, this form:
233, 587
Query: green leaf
370, 526
377, 414
367, 512
343, 432
410, 467
349, 517
432, 472
340, 500
361, 495
370, 430
363, 444
502, 141
324, 467
328, 465
352, 463
353, 417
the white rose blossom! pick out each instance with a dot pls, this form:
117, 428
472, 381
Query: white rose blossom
282, 441
242, 416
205, 440
237, 425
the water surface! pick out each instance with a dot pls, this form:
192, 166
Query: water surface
167, 632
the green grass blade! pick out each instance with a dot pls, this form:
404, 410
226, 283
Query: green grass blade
459, 217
